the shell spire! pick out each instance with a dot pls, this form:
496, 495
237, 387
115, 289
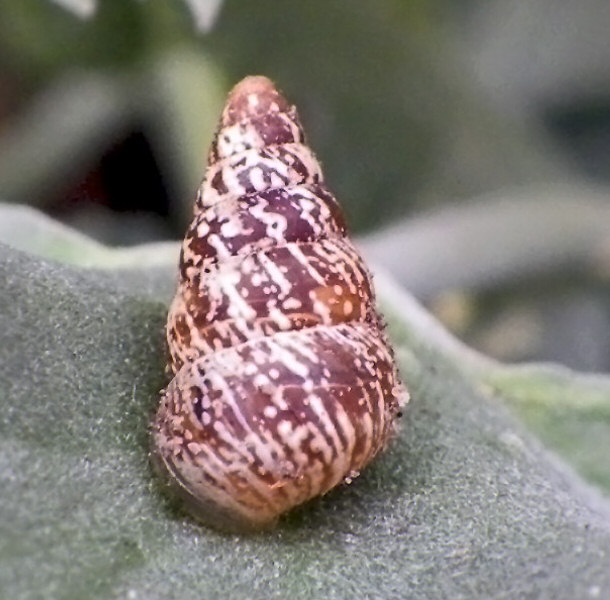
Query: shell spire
284, 382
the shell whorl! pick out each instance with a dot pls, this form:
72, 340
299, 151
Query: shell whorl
284, 383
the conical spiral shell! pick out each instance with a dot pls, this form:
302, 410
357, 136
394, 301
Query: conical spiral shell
284, 383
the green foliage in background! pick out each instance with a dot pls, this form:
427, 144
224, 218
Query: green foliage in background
393, 118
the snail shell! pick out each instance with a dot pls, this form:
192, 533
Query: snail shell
284, 383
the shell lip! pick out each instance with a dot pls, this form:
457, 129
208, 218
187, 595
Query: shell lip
203, 508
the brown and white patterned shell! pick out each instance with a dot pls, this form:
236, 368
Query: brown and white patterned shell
284, 383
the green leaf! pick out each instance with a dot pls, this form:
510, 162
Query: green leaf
464, 504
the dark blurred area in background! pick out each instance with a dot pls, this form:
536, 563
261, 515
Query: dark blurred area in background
455, 134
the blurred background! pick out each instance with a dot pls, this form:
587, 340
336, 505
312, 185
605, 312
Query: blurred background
468, 142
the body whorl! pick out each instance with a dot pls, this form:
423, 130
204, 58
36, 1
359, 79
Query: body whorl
284, 383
